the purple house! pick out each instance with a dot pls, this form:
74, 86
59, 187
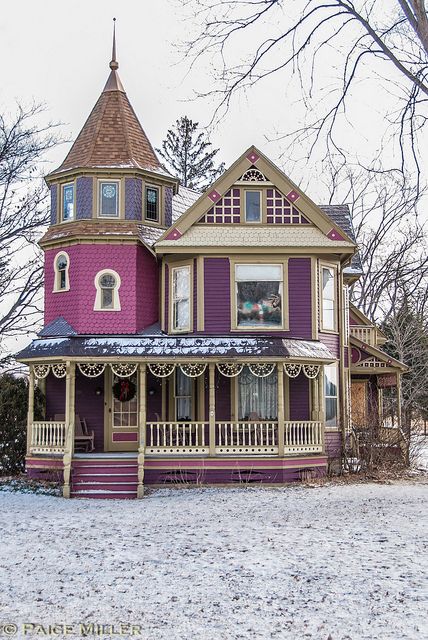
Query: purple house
193, 337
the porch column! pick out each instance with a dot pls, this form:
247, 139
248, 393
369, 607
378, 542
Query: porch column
70, 394
212, 408
280, 376
315, 399
399, 399
321, 412
142, 419
30, 414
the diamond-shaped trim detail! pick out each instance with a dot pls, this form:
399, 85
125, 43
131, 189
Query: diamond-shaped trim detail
334, 235
293, 196
253, 157
214, 196
175, 234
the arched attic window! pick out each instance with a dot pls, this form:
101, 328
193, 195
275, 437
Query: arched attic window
107, 283
61, 268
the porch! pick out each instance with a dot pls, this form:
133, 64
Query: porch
177, 411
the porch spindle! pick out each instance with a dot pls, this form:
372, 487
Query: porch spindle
212, 408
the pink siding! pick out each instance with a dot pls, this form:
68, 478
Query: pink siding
138, 292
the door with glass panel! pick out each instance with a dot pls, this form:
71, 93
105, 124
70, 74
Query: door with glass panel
122, 409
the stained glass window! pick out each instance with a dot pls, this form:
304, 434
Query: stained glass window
152, 206
109, 199
107, 286
68, 202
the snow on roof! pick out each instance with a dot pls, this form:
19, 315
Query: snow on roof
182, 201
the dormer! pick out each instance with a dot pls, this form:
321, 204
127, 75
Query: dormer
111, 173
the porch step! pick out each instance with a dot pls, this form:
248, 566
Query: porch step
104, 478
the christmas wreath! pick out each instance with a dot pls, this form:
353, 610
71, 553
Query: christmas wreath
124, 390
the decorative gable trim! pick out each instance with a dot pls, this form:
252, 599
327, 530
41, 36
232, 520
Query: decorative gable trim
252, 156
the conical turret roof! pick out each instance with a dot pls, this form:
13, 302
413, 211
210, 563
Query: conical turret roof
112, 136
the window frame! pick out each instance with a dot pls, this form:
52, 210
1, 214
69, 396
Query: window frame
322, 327
98, 296
335, 367
175, 397
61, 208
172, 269
100, 182
57, 273
158, 189
259, 191
234, 290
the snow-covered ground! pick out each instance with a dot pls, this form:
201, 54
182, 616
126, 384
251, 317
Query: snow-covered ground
339, 562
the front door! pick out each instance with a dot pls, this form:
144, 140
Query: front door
122, 413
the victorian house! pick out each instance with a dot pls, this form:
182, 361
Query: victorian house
193, 337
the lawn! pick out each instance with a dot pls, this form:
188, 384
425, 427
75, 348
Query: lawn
245, 562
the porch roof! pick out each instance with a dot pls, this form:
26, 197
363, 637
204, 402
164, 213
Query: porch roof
175, 347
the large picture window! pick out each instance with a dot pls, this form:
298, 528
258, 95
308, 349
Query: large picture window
259, 290
328, 298
257, 397
108, 199
330, 394
181, 298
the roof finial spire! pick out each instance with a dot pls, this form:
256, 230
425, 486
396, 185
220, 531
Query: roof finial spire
114, 64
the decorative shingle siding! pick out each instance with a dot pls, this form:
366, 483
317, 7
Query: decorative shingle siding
299, 398
54, 203
138, 292
133, 199
84, 198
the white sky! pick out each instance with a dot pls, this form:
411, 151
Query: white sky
59, 55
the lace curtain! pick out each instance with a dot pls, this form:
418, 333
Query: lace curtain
257, 397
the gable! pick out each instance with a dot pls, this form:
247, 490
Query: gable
282, 202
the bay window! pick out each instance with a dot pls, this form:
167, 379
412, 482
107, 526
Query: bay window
181, 315
259, 293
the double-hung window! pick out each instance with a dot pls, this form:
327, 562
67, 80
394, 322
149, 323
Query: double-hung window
328, 298
259, 294
108, 199
330, 394
181, 299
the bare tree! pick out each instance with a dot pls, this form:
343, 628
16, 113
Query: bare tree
23, 214
367, 43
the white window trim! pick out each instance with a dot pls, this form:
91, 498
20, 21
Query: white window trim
104, 181
158, 189
56, 287
284, 297
261, 206
171, 298
61, 207
324, 265
98, 296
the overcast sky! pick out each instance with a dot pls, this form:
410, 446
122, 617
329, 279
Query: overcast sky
59, 55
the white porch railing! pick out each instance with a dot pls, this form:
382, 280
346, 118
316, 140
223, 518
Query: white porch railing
177, 438
246, 438
47, 437
303, 436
